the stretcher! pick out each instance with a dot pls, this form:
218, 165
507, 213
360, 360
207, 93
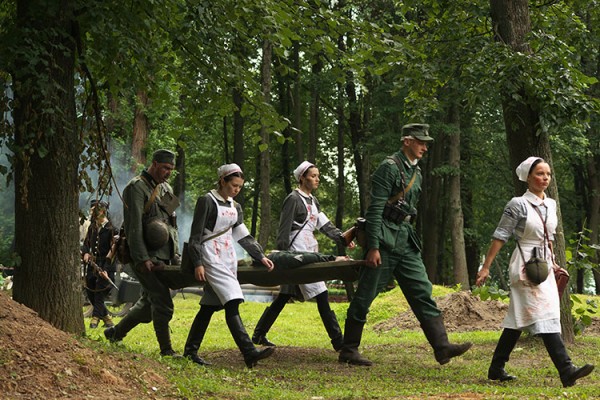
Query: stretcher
346, 271
283, 273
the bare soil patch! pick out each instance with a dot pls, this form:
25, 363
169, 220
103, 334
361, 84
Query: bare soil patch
464, 312
38, 361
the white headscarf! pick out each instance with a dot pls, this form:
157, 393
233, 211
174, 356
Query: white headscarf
228, 169
301, 169
523, 168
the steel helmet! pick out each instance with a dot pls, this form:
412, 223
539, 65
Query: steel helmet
156, 234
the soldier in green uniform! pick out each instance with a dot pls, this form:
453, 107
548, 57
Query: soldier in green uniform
151, 230
394, 250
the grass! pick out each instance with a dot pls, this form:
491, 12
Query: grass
305, 366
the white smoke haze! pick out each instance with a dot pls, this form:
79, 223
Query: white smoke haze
121, 176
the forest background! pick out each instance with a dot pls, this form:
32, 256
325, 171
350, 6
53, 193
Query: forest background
92, 88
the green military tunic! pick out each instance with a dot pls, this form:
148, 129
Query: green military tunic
398, 244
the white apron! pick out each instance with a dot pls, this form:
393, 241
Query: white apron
304, 240
220, 261
533, 308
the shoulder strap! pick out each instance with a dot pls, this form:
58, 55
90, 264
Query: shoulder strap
152, 196
401, 193
303, 225
546, 237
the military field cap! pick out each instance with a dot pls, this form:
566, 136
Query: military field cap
228, 169
417, 131
301, 169
164, 156
525, 167
99, 203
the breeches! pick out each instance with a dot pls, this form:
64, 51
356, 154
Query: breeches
409, 271
155, 304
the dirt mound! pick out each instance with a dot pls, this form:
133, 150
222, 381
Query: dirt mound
39, 361
463, 312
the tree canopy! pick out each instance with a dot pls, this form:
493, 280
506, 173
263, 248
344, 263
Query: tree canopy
88, 83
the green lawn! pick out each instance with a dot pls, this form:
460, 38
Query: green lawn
304, 365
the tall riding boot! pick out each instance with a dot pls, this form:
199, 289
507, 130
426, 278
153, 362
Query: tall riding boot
506, 344
349, 352
333, 329
163, 336
239, 334
195, 336
265, 323
568, 372
435, 331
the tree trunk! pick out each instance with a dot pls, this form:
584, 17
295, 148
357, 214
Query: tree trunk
593, 167
472, 249
314, 110
239, 153
297, 105
459, 258
511, 24
265, 159
179, 185
285, 110
140, 131
255, 198
429, 213
48, 278
341, 179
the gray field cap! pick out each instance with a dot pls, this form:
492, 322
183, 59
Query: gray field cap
418, 131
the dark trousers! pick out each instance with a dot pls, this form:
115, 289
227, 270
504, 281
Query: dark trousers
97, 289
155, 305
407, 267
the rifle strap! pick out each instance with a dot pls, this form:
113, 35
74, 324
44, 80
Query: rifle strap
402, 193
152, 196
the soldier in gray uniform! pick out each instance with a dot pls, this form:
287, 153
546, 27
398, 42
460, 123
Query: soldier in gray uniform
394, 250
151, 230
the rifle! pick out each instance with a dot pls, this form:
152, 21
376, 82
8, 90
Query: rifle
100, 271
357, 231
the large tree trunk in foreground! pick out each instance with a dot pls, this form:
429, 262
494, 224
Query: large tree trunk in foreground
46, 177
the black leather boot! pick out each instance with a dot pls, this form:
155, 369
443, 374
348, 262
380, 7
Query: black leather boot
568, 372
265, 323
163, 336
506, 344
251, 354
119, 331
333, 329
435, 332
196, 335
349, 352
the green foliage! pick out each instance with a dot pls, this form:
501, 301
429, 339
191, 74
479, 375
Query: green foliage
487, 292
582, 312
580, 254
407, 60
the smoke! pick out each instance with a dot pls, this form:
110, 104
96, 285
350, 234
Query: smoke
121, 176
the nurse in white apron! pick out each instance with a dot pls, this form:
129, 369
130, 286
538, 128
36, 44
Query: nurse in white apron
534, 308
218, 223
300, 217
